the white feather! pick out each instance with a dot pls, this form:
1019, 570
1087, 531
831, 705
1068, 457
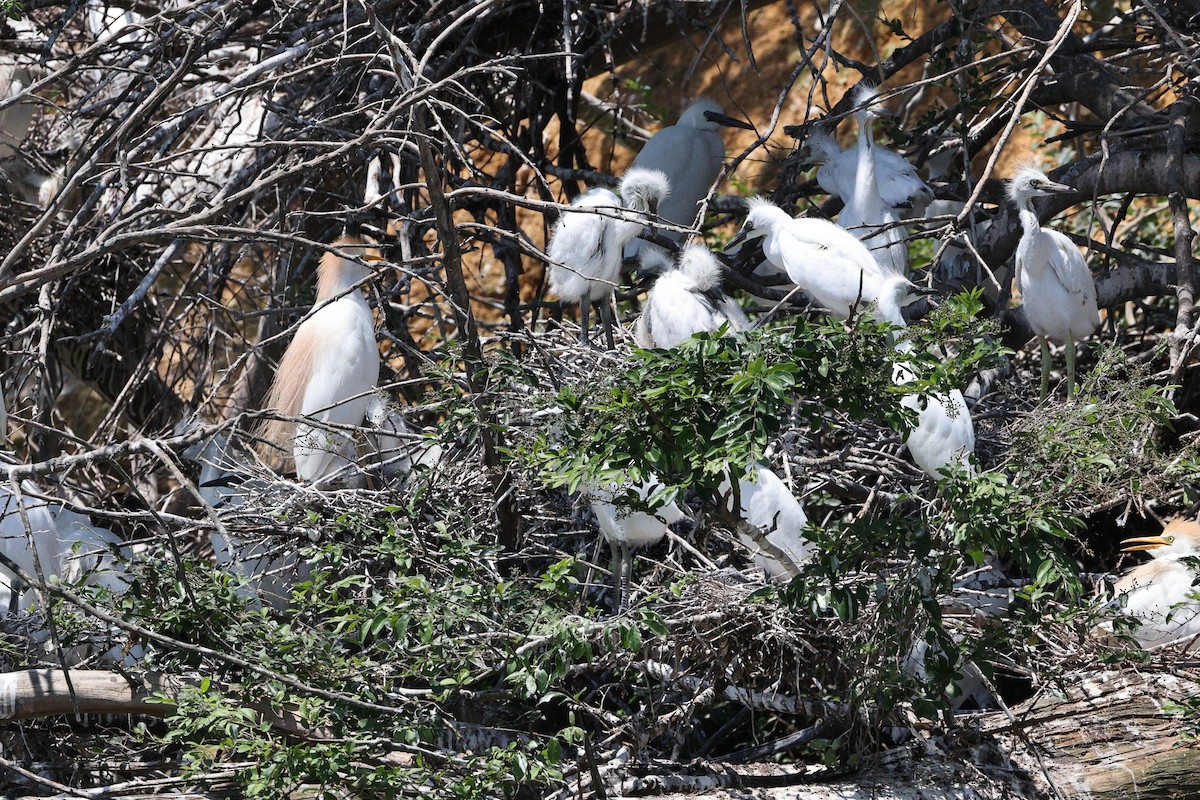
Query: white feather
766, 503
829, 263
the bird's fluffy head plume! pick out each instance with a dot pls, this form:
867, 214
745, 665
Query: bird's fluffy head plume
820, 147
643, 189
698, 263
763, 211
866, 95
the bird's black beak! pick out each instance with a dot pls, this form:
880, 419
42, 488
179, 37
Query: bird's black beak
727, 121
1057, 188
744, 235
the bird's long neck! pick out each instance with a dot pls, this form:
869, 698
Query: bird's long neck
866, 185
336, 275
1029, 218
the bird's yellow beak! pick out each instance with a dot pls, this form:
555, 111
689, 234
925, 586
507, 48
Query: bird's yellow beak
1143, 543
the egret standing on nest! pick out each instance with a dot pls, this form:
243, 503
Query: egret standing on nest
330, 367
686, 300
1055, 282
585, 248
828, 262
690, 154
625, 529
1161, 594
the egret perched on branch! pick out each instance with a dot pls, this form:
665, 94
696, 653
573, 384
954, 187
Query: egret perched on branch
625, 529
765, 503
585, 248
1055, 282
865, 207
689, 153
828, 262
330, 367
1161, 594
944, 432
685, 300
901, 189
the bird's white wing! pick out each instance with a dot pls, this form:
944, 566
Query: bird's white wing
899, 183
827, 262
347, 362
1071, 271
580, 241
944, 431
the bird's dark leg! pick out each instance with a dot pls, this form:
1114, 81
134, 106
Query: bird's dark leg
626, 572
619, 581
585, 310
606, 317
1070, 367
1045, 368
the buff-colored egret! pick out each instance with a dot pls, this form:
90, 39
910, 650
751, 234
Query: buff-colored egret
626, 529
330, 367
766, 503
1054, 280
686, 300
829, 263
1161, 594
586, 247
689, 153
866, 214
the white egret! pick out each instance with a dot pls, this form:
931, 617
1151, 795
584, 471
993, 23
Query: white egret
865, 208
585, 248
1055, 283
687, 300
330, 367
900, 187
944, 432
396, 450
829, 263
68, 547
689, 153
625, 529
766, 503
1161, 594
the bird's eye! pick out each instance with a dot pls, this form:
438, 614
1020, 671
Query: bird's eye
1170, 540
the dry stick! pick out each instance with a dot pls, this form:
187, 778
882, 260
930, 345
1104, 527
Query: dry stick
1018, 105
456, 285
33, 776
113, 320
59, 590
1177, 198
